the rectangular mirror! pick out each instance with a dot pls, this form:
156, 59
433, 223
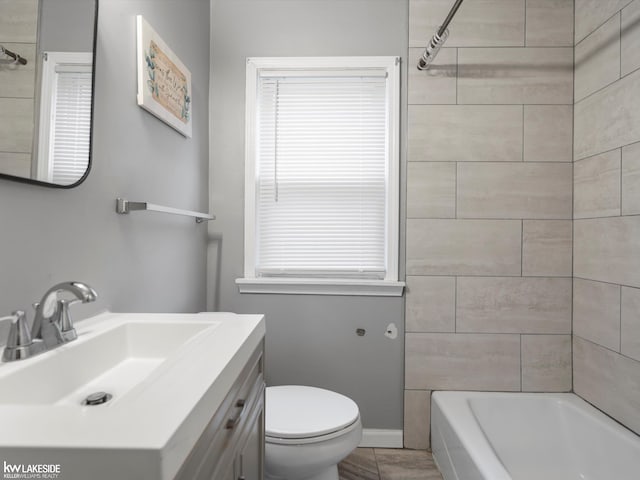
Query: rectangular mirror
46, 103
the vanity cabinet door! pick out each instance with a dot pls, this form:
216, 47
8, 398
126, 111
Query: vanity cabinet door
251, 455
232, 444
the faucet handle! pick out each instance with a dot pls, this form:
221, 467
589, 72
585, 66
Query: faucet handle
19, 335
19, 343
67, 331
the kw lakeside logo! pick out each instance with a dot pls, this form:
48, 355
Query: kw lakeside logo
29, 471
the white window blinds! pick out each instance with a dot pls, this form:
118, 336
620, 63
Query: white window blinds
321, 174
64, 121
71, 124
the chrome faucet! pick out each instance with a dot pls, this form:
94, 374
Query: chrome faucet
52, 325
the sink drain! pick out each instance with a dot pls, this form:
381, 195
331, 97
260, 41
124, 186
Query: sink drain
97, 398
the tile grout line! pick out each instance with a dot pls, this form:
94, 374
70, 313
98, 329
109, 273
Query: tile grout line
620, 327
606, 283
523, 134
620, 147
375, 457
621, 175
457, 73
521, 366
580, 100
455, 304
604, 347
522, 247
620, 46
597, 27
524, 32
573, 188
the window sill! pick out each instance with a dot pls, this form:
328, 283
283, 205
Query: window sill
318, 286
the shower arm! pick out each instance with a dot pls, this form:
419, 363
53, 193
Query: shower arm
438, 39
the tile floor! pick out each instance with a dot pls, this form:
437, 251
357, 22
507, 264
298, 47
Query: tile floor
388, 464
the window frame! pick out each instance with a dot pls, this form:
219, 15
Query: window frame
390, 285
82, 61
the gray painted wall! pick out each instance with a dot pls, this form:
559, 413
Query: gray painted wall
140, 262
310, 339
66, 26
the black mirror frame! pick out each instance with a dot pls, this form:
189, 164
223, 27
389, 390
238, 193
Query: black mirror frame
93, 96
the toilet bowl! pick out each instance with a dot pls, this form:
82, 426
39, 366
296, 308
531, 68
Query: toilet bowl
308, 431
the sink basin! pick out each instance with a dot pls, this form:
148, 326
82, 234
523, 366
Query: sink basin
168, 374
113, 360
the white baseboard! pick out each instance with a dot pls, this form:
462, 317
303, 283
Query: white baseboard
381, 438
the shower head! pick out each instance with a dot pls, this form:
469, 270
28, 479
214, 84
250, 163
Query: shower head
432, 49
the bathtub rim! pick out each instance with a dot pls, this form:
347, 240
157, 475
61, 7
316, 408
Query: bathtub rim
455, 407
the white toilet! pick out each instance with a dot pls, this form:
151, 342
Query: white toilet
308, 431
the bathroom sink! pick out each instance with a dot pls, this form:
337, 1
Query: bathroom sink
167, 374
113, 360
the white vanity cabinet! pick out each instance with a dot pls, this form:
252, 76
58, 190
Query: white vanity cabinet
232, 444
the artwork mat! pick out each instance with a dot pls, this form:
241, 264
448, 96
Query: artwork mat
145, 35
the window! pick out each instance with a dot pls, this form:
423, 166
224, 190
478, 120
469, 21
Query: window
65, 117
322, 161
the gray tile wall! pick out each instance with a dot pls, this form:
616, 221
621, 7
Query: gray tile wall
18, 31
606, 289
489, 203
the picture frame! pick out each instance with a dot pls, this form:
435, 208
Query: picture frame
164, 82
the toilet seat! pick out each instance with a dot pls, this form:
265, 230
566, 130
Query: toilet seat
299, 414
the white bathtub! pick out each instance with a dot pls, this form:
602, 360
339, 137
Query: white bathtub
529, 436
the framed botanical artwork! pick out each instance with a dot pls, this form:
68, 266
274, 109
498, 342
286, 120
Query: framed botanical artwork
164, 83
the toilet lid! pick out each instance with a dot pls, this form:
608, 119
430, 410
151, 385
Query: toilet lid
294, 411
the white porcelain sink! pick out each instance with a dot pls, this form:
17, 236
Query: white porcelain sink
113, 360
168, 374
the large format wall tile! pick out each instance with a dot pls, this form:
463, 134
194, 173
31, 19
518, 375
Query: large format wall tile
630, 38
608, 380
608, 119
515, 75
630, 322
607, 249
437, 84
417, 417
513, 305
463, 247
547, 248
431, 304
590, 14
447, 361
465, 133
598, 59
546, 363
596, 312
489, 202
478, 23
549, 23
631, 180
16, 125
514, 190
431, 190
19, 21
18, 164
548, 133
596, 183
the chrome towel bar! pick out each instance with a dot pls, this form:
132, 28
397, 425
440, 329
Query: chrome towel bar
125, 206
